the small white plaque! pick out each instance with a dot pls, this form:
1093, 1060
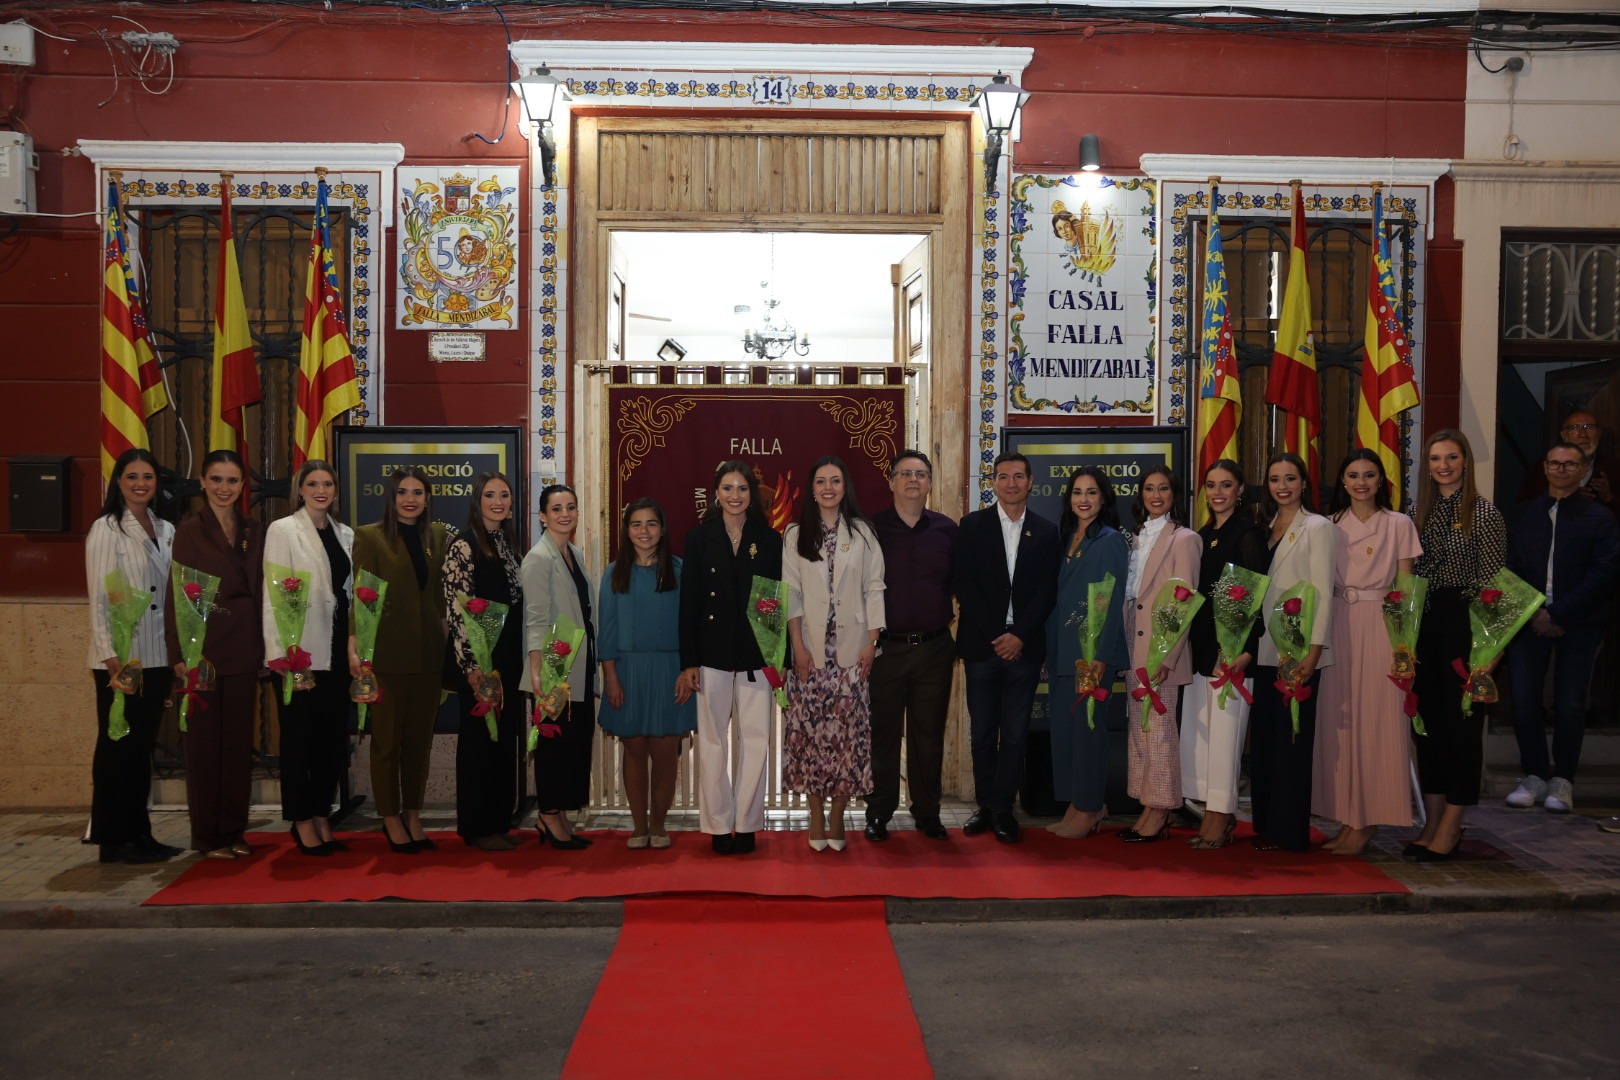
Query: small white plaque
462, 346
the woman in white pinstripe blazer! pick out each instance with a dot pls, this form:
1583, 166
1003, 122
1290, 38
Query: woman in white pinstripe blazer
127, 536
1304, 547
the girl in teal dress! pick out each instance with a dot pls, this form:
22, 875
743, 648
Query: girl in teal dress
1092, 547
644, 704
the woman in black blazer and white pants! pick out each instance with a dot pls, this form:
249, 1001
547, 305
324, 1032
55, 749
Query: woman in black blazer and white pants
720, 659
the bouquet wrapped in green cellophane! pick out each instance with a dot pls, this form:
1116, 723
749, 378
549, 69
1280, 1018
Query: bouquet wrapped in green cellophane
1495, 614
193, 598
1239, 594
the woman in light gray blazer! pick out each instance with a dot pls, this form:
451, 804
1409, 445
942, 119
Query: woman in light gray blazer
556, 583
1303, 547
128, 537
317, 548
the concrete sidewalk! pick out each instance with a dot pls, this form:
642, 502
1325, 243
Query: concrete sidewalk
1513, 860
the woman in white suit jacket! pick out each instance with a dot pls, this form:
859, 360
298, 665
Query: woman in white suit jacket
1163, 548
314, 726
1303, 548
833, 567
126, 536
556, 583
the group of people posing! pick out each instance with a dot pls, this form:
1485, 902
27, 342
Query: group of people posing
671, 648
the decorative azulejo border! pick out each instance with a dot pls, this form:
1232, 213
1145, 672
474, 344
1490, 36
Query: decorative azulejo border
154, 189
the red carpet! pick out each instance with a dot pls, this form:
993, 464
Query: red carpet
727, 986
908, 865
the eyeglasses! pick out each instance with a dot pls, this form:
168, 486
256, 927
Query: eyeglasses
1579, 428
1562, 465
911, 474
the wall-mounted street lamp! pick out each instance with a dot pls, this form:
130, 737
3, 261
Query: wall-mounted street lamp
1090, 153
998, 104
540, 92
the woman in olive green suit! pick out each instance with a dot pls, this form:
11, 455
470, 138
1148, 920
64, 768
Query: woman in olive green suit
406, 549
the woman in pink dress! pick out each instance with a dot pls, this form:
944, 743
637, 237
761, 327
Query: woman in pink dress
1363, 763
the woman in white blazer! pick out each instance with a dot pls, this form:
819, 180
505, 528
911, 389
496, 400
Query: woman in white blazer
556, 583
833, 567
1303, 547
314, 727
127, 536
1163, 548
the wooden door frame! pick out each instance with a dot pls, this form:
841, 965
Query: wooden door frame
950, 249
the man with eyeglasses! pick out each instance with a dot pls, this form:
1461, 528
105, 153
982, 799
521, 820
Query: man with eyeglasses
911, 678
1567, 546
1598, 477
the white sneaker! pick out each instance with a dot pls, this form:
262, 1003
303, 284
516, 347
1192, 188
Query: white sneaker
1531, 790
1560, 796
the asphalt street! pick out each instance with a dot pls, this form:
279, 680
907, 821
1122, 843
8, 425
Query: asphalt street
1444, 996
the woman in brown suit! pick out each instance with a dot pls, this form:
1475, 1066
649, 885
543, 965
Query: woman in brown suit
224, 542
406, 549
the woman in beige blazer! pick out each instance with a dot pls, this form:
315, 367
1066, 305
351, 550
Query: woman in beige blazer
1303, 548
405, 549
833, 567
314, 726
1163, 548
556, 583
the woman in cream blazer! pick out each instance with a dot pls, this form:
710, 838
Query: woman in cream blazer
1303, 547
833, 567
556, 583
1163, 548
314, 726
128, 537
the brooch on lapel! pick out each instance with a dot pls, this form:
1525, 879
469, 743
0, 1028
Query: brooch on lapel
1369, 550
753, 550
1215, 543
1290, 537
1028, 533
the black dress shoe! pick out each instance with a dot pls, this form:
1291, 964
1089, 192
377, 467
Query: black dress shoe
162, 851
723, 843
978, 823
130, 854
932, 828
877, 830
1006, 826
742, 843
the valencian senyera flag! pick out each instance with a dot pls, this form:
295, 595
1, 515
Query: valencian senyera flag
132, 388
1292, 384
327, 382
1220, 394
1388, 383
235, 380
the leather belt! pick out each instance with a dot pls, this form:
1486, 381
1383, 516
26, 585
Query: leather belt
911, 639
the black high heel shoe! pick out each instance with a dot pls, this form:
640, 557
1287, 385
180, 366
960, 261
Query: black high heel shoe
572, 843
407, 848
308, 849
1148, 838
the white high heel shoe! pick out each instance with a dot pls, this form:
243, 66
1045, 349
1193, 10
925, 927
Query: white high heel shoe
836, 845
818, 845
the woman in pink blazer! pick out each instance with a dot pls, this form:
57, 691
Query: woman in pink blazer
1163, 548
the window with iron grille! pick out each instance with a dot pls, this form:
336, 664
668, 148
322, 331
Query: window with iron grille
180, 248
1256, 251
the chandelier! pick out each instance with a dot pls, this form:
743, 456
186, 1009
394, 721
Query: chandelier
775, 337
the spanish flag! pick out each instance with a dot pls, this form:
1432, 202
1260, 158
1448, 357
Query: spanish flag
1292, 385
132, 387
1220, 393
327, 383
1388, 383
235, 380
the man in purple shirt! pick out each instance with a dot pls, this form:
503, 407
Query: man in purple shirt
911, 678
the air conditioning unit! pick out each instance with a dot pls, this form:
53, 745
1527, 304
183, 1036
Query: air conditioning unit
18, 165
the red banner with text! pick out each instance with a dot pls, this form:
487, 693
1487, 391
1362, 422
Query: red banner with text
665, 442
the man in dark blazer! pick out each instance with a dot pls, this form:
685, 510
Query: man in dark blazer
1567, 546
1004, 574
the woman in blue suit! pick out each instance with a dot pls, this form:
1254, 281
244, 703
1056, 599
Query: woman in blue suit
1092, 547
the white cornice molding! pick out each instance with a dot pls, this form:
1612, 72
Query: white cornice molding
249, 157
1536, 172
1241, 169
772, 57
